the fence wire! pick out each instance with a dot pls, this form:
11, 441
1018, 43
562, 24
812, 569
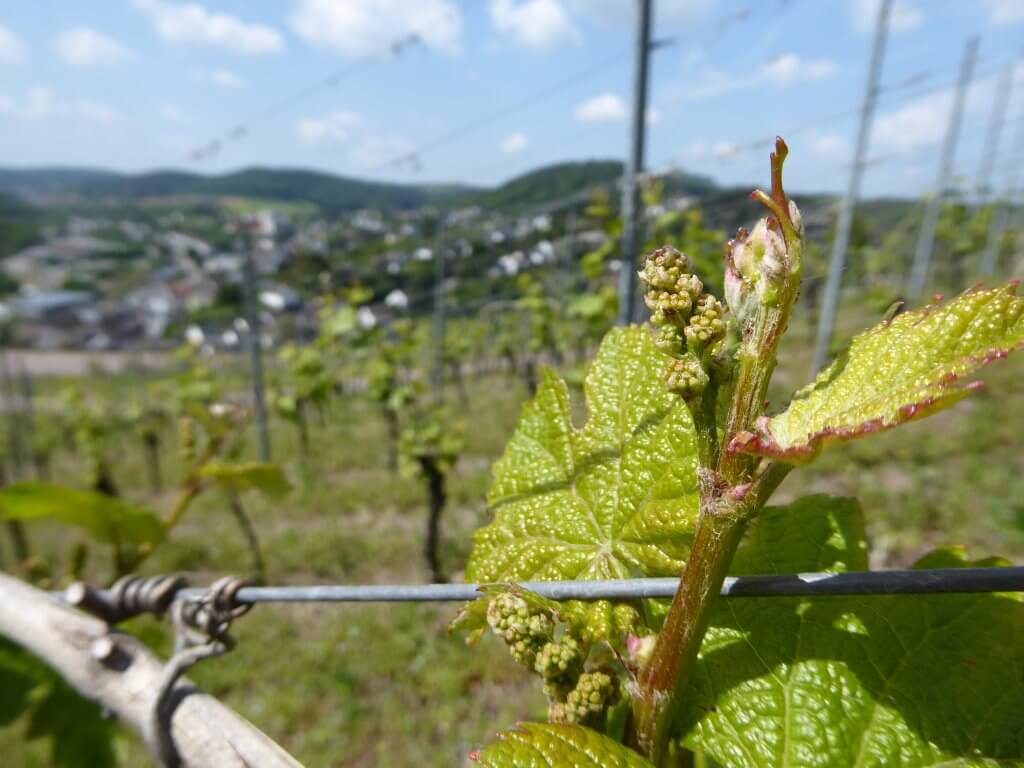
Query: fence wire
896, 582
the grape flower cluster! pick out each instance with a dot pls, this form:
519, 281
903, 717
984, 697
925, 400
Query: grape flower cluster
574, 694
690, 321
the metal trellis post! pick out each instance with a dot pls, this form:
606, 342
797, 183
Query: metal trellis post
252, 310
1001, 219
926, 240
439, 318
838, 262
628, 304
995, 131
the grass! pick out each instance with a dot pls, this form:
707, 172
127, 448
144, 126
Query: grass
375, 685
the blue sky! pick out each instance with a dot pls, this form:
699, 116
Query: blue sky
140, 84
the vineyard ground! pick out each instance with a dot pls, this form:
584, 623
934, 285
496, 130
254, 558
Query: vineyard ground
384, 685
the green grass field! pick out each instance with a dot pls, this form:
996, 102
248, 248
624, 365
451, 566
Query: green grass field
385, 685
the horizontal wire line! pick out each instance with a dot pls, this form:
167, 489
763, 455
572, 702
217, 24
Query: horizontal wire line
896, 582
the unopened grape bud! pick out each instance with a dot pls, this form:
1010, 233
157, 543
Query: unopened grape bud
707, 324
560, 661
686, 377
591, 697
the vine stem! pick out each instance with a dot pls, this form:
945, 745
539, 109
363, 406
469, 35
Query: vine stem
732, 491
720, 528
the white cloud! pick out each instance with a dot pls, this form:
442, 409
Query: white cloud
11, 47
377, 150
830, 146
904, 15
334, 127
40, 103
724, 150
84, 47
193, 24
1004, 12
604, 108
513, 144
535, 23
172, 114
370, 27
696, 150
922, 122
784, 70
223, 78
790, 68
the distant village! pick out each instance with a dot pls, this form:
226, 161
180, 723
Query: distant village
103, 283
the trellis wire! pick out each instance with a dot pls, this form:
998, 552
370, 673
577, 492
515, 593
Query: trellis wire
896, 582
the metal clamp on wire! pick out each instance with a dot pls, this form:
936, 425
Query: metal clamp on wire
129, 597
200, 632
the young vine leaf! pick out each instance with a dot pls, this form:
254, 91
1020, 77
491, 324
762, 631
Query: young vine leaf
105, 518
615, 499
913, 681
903, 369
268, 479
532, 745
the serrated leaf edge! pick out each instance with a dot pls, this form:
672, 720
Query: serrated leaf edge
763, 442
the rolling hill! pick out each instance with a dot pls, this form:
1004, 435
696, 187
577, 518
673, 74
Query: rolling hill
333, 194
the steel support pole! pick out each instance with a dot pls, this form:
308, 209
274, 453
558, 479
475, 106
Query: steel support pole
252, 311
629, 306
830, 302
1001, 219
440, 319
926, 239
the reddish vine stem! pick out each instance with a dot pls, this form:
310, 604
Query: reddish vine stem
731, 491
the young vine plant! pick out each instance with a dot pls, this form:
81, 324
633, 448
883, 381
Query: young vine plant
671, 474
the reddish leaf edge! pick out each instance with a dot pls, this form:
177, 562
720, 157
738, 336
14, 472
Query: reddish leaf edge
763, 442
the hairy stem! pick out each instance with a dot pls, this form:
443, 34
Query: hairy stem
675, 653
723, 519
731, 490
705, 425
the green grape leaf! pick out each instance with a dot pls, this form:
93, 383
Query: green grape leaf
587, 306
532, 745
615, 499
80, 736
341, 321
105, 518
20, 674
908, 367
268, 479
866, 681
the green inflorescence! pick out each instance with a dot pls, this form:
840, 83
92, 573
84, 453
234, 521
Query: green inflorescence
560, 661
590, 699
525, 631
575, 695
690, 322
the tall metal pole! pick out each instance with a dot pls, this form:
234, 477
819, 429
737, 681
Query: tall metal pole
628, 305
252, 311
830, 302
28, 411
13, 407
1001, 219
995, 131
926, 239
439, 318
